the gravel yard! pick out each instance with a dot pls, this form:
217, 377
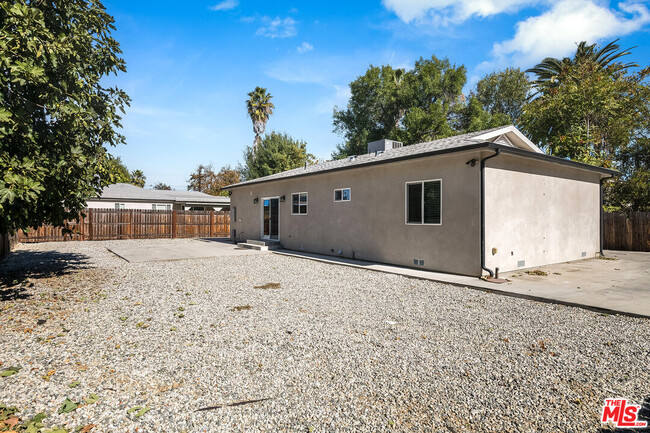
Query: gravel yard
329, 348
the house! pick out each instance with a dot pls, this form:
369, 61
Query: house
466, 205
127, 196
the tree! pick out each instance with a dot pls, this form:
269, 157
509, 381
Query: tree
226, 176
411, 106
162, 187
473, 116
276, 153
116, 171
596, 112
504, 92
202, 179
552, 72
260, 108
138, 178
56, 115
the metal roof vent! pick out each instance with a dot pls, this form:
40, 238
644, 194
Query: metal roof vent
352, 158
383, 145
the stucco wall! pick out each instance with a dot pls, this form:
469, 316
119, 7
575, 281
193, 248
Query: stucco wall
540, 213
372, 224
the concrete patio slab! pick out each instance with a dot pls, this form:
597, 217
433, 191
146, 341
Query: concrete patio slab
179, 249
618, 284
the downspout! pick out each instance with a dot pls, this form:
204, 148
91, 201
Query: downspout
483, 267
602, 215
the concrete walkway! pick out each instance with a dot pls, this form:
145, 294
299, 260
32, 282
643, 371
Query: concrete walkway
178, 249
617, 286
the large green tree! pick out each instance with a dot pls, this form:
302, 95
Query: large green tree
411, 106
276, 153
595, 111
504, 93
56, 115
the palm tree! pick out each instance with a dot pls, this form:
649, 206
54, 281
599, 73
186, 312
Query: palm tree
138, 178
551, 70
259, 108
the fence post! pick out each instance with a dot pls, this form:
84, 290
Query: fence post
211, 221
90, 224
131, 225
173, 224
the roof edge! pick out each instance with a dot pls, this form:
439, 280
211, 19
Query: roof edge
476, 146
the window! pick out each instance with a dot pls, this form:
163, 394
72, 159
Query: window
342, 194
299, 203
161, 206
424, 202
119, 206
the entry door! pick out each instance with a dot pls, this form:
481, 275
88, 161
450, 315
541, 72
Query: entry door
271, 218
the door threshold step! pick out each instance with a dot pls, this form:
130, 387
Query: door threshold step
252, 246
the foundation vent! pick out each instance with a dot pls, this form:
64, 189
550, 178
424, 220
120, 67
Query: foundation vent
521, 263
584, 254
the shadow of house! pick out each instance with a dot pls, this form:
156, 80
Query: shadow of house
21, 266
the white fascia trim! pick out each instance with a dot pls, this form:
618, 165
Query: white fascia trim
528, 145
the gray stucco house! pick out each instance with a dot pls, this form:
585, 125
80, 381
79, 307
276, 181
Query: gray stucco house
465, 204
127, 196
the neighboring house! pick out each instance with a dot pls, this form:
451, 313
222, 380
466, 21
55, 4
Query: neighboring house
465, 204
127, 196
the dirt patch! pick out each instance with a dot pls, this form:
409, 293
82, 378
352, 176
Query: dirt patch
269, 286
538, 273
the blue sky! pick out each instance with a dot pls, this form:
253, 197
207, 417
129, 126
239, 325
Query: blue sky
191, 64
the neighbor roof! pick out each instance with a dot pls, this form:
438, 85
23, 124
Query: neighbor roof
125, 191
507, 138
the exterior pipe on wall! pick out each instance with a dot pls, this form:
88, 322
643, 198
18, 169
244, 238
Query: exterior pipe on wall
496, 153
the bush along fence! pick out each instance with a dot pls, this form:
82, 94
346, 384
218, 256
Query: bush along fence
106, 224
627, 232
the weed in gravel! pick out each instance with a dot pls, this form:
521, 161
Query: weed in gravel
123, 318
538, 273
9, 371
241, 308
268, 286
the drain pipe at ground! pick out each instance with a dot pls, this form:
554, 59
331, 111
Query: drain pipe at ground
496, 153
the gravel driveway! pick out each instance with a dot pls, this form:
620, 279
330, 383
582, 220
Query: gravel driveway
328, 348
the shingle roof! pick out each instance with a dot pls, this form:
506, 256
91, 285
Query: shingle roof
456, 141
125, 191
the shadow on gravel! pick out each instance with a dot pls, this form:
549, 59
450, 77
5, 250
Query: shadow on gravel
643, 415
20, 266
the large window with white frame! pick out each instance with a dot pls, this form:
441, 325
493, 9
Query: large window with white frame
424, 202
342, 194
119, 206
161, 206
299, 203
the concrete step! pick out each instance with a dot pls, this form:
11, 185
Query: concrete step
270, 244
252, 246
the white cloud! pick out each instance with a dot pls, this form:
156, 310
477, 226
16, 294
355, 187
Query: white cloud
452, 11
304, 47
225, 5
557, 31
278, 28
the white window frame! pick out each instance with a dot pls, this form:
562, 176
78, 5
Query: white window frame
154, 206
406, 202
306, 204
342, 189
120, 206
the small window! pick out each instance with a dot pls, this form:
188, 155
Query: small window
424, 202
161, 206
119, 206
299, 203
342, 194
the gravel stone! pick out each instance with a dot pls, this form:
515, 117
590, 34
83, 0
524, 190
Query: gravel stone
333, 348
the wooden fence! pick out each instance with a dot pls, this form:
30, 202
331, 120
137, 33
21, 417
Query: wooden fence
628, 232
105, 224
